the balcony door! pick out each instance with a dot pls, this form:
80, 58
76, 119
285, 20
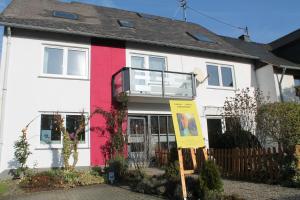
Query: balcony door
138, 140
145, 80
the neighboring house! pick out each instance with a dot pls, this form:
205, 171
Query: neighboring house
73, 57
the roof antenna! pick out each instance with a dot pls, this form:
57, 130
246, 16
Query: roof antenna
183, 5
246, 31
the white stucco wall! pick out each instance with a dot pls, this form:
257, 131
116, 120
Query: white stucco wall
287, 87
266, 82
209, 100
29, 94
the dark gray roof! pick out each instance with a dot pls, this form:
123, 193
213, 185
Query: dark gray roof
102, 22
289, 38
262, 51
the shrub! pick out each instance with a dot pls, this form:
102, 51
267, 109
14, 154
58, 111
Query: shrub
172, 171
59, 179
119, 166
280, 122
210, 182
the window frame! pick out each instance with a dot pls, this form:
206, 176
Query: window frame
147, 60
221, 86
66, 49
51, 145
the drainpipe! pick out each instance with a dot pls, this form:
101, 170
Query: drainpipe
4, 86
280, 82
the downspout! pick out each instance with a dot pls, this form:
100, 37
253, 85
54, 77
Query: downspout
280, 82
4, 87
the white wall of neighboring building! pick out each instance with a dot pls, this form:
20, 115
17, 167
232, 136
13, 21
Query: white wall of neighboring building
209, 100
29, 94
287, 87
266, 82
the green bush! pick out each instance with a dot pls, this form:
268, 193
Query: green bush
59, 179
119, 166
209, 182
172, 171
280, 122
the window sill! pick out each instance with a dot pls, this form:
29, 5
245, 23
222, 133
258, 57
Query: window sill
64, 77
221, 88
58, 146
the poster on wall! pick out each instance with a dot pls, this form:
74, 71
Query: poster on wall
186, 124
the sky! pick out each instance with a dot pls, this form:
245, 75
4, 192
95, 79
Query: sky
266, 20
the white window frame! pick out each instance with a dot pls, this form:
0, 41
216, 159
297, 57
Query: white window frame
65, 49
147, 58
219, 66
60, 145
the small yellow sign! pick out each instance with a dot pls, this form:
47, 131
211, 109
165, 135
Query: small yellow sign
186, 124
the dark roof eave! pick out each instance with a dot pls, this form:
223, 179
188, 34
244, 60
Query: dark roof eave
127, 39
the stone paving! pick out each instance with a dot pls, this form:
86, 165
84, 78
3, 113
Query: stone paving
97, 192
256, 191
245, 190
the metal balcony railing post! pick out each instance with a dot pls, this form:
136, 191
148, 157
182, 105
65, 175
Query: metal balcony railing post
163, 83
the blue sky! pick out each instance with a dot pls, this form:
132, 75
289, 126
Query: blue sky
266, 19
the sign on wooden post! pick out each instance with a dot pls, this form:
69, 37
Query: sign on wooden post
188, 135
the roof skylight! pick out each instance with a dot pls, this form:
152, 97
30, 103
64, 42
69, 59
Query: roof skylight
146, 16
65, 15
200, 37
126, 23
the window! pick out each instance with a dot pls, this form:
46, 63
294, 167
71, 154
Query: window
148, 62
66, 62
50, 130
53, 60
157, 63
220, 76
200, 37
126, 23
65, 15
297, 85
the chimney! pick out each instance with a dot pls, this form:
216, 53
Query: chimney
245, 38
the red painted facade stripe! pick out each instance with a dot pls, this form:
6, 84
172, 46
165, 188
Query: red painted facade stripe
107, 57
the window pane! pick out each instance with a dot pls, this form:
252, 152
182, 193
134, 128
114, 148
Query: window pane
50, 132
73, 123
170, 124
214, 127
227, 76
76, 63
157, 63
137, 62
53, 61
154, 125
213, 75
163, 124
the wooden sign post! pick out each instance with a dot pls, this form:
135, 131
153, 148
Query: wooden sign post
188, 134
184, 172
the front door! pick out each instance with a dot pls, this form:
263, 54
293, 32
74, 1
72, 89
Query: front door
138, 142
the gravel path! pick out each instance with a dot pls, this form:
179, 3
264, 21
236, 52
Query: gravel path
255, 191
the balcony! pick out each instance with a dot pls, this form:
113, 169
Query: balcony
157, 84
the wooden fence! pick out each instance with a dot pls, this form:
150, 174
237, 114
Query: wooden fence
243, 163
250, 162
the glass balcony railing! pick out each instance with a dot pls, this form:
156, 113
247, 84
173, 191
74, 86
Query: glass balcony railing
154, 83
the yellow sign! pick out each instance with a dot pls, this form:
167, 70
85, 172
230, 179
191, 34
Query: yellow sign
186, 124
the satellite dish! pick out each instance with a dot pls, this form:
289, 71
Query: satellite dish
200, 76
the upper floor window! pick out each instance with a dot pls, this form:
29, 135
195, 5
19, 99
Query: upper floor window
65, 61
148, 62
220, 75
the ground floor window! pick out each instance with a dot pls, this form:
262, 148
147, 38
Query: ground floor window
50, 130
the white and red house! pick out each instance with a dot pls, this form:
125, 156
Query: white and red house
72, 57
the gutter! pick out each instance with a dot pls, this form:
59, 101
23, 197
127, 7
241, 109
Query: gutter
127, 39
4, 86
